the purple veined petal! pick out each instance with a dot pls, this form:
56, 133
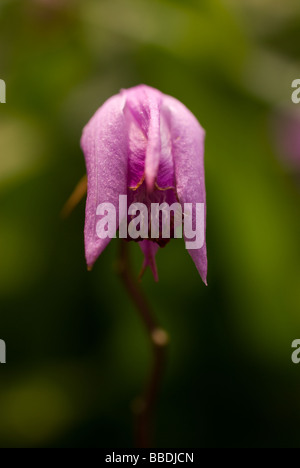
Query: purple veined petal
149, 250
166, 174
188, 154
144, 103
137, 145
154, 144
105, 146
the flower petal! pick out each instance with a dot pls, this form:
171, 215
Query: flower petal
144, 103
137, 144
165, 176
188, 153
105, 146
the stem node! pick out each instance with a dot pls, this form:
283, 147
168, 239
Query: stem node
143, 407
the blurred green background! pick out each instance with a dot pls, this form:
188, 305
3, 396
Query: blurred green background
77, 353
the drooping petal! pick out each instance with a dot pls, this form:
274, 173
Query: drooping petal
144, 103
188, 155
149, 250
105, 146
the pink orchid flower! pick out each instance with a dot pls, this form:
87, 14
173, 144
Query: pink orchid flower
150, 147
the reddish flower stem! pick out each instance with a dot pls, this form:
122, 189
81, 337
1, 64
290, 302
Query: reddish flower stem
144, 407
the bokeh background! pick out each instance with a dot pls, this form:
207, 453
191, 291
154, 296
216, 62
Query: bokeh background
77, 353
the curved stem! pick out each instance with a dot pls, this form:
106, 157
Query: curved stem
144, 407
